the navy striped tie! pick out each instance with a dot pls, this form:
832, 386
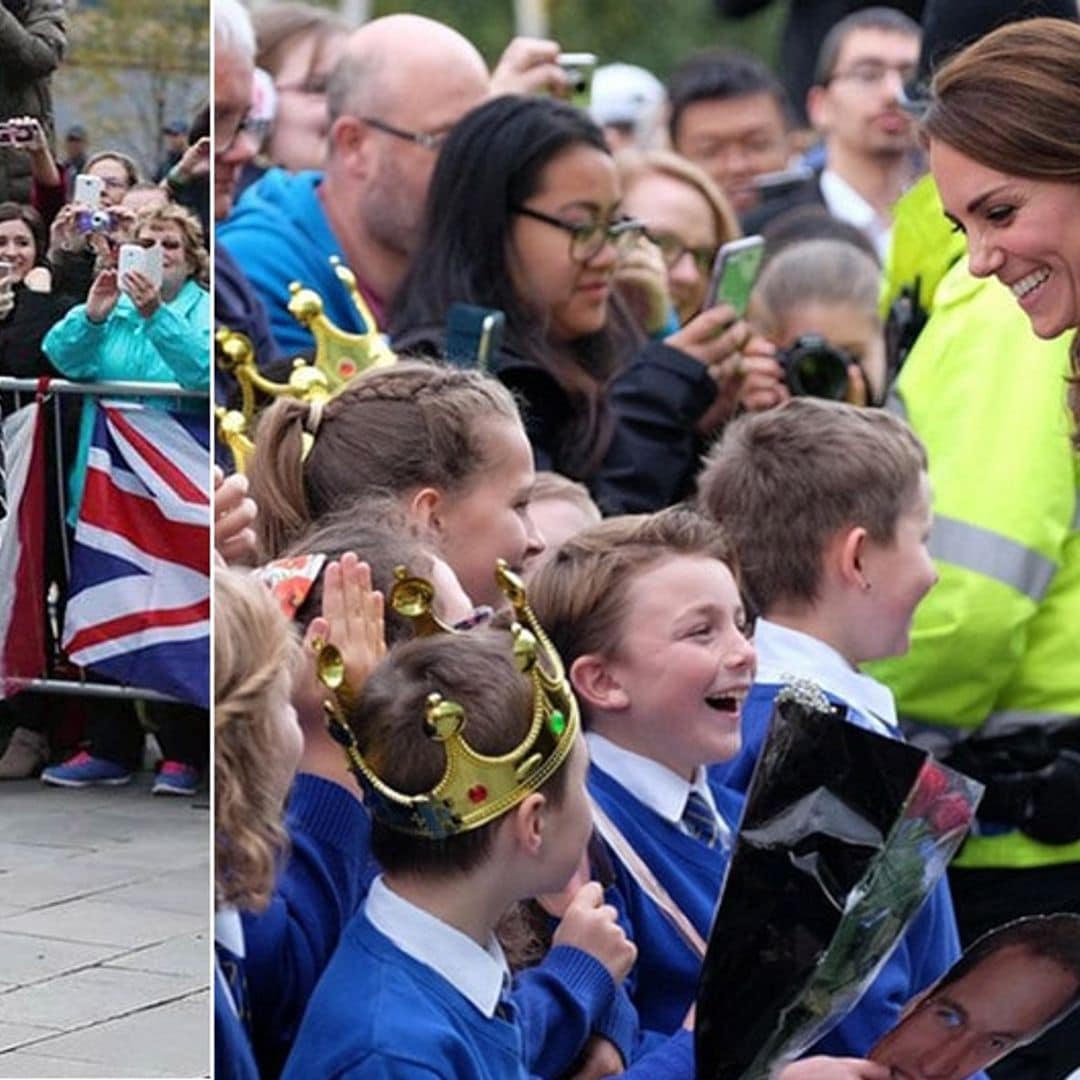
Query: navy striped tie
233, 970
699, 820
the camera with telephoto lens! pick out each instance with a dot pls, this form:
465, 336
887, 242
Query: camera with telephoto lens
814, 368
95, 221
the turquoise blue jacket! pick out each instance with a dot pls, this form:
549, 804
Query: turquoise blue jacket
173, 346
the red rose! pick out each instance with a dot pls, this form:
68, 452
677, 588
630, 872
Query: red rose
931, 784
950, 813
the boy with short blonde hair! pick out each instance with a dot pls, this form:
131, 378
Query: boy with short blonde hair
646, 612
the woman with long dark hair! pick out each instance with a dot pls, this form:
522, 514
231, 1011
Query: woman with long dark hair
523, 215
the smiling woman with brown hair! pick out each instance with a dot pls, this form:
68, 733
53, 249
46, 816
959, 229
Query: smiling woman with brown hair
1002, 134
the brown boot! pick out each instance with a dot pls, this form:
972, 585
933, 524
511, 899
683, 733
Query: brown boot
27, 751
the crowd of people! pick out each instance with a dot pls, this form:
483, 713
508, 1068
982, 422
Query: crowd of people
69, 310
646, 525
499, 626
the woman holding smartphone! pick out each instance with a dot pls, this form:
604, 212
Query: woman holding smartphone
28, 309
524, 215
138, 329
28, 305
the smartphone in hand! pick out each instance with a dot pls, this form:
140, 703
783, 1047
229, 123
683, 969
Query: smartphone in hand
146, 260
734, 272
578, 68
88, 190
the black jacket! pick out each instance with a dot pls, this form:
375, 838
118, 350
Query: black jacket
646, 419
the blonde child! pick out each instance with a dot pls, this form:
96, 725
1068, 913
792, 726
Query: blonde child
258, 745
648, 615
560, 508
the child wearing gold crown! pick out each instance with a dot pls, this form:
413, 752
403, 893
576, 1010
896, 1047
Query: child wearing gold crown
468, 750
327, 593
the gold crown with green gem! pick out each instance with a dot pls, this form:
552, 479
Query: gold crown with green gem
474, 788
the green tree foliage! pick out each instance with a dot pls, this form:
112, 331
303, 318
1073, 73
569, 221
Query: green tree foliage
131, 66
656, 35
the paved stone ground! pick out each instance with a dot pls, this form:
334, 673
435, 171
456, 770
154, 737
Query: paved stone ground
104, 932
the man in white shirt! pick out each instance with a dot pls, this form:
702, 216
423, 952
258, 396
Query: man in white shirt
863, 65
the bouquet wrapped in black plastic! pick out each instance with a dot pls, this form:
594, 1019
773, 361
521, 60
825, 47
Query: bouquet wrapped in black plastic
844, 834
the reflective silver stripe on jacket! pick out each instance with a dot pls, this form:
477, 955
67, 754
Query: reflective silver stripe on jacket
990, 553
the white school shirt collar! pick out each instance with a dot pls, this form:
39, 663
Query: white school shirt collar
846, 204
663, 791
478, 973
228, 933
784, 654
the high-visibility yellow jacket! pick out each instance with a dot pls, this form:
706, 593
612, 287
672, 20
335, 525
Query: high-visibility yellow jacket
923, 247
996, 643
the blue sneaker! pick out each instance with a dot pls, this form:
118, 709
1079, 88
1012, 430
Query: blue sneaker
173, 778
83, 770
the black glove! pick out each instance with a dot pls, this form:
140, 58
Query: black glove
1031, 783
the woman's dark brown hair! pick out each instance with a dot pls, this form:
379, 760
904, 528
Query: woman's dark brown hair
1011, 102
13, 211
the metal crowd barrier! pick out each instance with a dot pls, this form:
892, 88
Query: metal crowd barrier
24, 391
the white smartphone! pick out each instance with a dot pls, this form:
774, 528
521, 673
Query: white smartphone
578, 68
88, 190
146, 260
734, 272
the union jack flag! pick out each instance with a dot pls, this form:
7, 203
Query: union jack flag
139, 603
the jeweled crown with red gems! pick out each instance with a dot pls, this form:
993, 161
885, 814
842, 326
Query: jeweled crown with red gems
475, 788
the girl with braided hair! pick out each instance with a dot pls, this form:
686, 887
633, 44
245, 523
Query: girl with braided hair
446, 445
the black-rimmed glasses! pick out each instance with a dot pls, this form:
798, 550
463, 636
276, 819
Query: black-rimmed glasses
587, 238
422, 138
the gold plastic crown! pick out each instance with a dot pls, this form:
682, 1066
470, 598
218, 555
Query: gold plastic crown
340, 355
232, 429
475, 788
237, 356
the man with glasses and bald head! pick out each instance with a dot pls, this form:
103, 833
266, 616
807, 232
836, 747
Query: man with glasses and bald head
401, 85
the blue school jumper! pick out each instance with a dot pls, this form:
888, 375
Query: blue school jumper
931, 944
664, 981
322, 884
378, 1013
